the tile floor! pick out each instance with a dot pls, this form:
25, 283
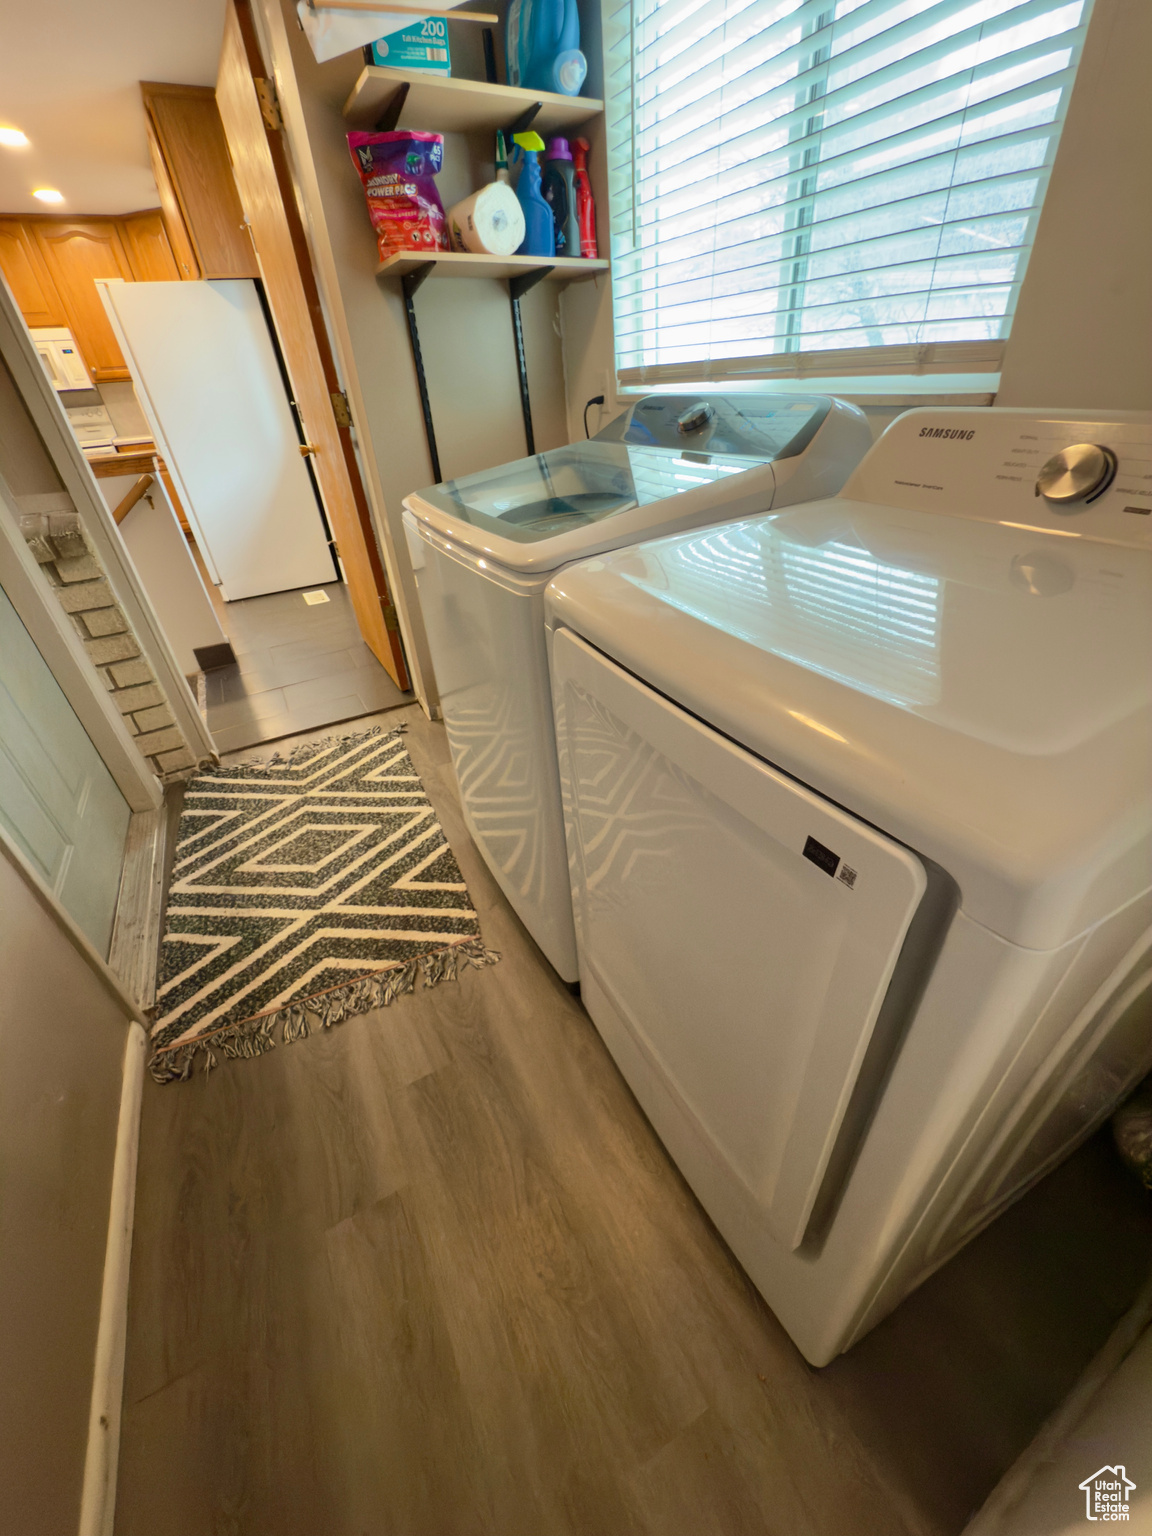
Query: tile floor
298, 667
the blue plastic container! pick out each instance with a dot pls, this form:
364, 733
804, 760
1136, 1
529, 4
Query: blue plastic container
539, 230
543, 46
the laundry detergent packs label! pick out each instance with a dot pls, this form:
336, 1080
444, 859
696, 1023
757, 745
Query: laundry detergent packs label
397, 171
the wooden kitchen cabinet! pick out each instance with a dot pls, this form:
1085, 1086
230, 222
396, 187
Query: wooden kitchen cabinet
51, 263
76, 252
195, 157
23, 266
199, 230
149, 252
183, 252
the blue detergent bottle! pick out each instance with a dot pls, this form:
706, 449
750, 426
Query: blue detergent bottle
539, 230
550, 57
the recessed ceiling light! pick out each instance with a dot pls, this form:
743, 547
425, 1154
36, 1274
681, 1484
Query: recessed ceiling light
48, 195
12, 138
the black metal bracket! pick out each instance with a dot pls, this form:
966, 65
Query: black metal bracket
524, 121
523, 282
391, 113
409, 284
518, 286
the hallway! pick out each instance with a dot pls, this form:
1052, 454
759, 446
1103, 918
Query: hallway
299, 666
432, 1274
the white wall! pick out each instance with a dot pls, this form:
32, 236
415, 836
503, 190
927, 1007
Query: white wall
1082, 335
586, 317
465, 326
62, 1042
1105, 1421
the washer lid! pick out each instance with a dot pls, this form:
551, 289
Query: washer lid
981, 692
667, 462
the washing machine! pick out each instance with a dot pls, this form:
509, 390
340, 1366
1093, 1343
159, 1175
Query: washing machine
858, 799
485, 546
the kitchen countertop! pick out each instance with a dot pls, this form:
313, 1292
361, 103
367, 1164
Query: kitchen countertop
141, 461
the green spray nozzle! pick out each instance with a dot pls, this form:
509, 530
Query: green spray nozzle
531, 143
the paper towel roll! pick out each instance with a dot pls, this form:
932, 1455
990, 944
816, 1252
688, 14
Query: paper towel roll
490, 222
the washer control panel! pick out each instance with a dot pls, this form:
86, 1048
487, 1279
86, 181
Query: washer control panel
1058, 472
1079, 473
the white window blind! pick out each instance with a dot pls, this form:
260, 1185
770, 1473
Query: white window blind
827, 185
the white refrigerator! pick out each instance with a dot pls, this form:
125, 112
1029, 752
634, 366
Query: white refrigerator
209, 381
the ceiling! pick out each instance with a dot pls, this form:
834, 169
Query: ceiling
69, 78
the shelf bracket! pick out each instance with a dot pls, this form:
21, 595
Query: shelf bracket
517, 288
524, 121
519, 285
410, 283
391, 113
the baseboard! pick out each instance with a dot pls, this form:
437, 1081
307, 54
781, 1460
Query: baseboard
134, 951
98, 1498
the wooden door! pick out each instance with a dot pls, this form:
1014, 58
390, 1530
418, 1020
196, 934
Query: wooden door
149, 252
58, 802
77, 252
27, 275
263, 177
192, 144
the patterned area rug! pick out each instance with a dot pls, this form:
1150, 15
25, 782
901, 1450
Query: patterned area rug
305, 889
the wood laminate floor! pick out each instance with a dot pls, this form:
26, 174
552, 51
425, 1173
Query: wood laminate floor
432, 1274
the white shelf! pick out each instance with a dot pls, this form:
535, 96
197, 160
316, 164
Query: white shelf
437, 105
565, 269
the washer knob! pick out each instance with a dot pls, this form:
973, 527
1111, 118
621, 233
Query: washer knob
695, 417
1079, 473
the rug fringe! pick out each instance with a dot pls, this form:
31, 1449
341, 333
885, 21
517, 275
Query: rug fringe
301, 754
254, 1037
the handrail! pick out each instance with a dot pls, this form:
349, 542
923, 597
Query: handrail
141, 488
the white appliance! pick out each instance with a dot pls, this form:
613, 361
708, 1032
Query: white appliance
61, 357
92, 427
484, 548
859, 807
209, 382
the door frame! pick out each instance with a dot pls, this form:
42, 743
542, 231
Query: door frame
42, 615
272, 37
65, 658
263, 174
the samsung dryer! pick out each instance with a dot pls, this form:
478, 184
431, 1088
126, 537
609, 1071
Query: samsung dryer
485, 546
859, 805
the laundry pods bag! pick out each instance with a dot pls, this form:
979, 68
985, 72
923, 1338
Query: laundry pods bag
397, 170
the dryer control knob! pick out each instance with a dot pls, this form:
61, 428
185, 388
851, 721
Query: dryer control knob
1079, 473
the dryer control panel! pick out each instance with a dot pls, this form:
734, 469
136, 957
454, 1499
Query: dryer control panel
1055, 472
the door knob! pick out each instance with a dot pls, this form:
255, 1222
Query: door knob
306, 449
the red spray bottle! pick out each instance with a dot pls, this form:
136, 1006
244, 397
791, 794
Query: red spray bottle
585, 207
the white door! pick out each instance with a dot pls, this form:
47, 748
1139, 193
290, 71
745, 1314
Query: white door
58, 802
208, 379
743, 929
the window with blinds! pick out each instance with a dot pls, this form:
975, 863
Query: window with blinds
827, 185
